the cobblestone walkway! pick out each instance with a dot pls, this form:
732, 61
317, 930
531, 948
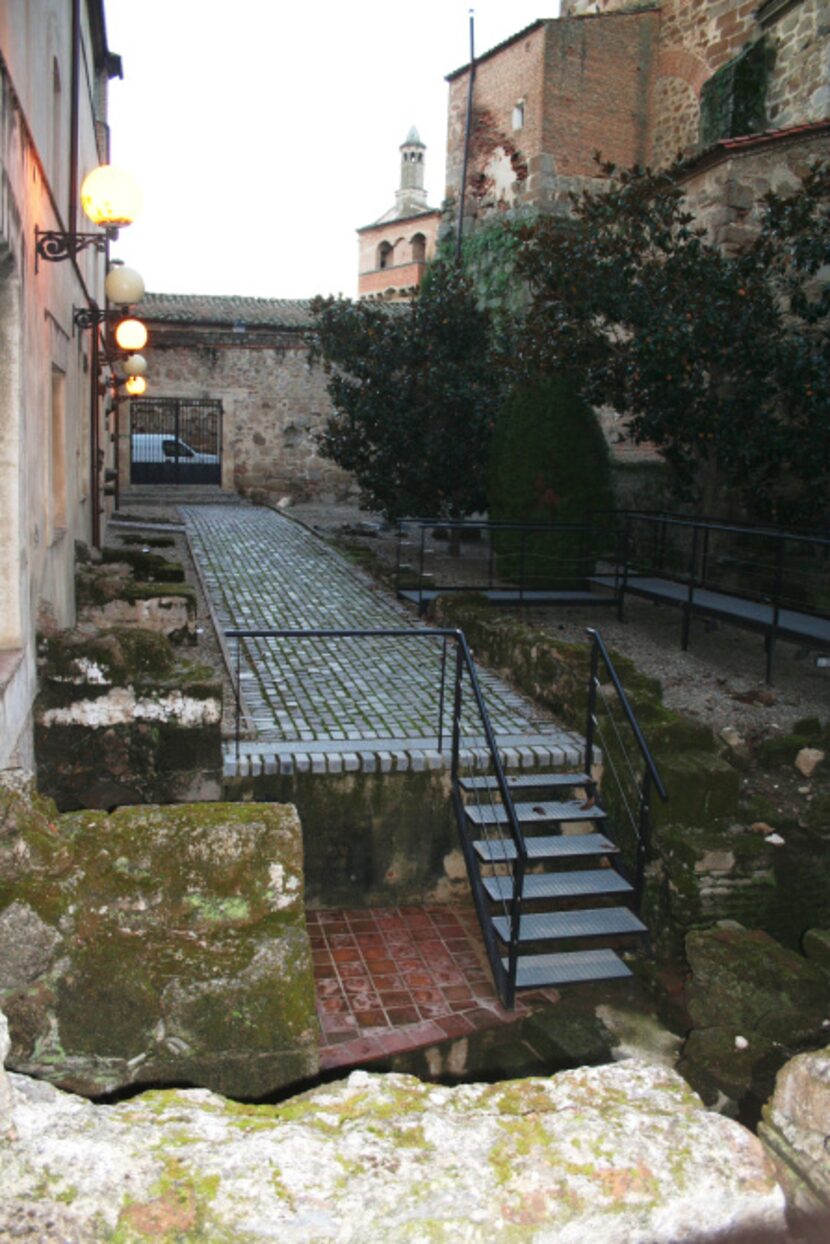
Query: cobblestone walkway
346, 704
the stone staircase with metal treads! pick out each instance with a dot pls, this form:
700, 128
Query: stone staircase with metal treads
575, 912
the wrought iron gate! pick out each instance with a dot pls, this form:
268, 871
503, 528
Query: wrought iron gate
175, 440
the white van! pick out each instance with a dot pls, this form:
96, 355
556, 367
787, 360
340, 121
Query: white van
162, 447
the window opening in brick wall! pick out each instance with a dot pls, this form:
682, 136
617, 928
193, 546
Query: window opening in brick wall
419, 248
519, 114
384, 255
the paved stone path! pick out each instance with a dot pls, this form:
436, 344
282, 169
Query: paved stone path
335, 705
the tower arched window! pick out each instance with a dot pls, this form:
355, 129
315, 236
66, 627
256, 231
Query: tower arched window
385, 253
419, 248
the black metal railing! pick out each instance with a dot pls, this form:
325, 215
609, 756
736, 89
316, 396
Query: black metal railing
715, 564
629, 771
473, 749
522, 561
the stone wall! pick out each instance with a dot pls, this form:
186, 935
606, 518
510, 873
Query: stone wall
273, 403
725, 190
121, 716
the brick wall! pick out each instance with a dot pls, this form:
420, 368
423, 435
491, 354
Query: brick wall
584, 85
273, 402
596, 90
512, 74
625, 79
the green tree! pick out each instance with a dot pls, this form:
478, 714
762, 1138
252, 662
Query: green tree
720, 360
414, 394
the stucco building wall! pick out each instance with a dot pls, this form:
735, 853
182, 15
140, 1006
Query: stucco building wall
45, 374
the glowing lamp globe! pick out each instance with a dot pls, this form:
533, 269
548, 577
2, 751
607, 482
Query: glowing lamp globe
131, 335
110, 197
135, 386
124, 285
135, 365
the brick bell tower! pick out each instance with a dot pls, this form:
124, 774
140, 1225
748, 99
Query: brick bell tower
395, 249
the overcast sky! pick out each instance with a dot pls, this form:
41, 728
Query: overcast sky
264, 133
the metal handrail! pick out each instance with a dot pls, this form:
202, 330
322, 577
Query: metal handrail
651, 774
464, 664
598, 649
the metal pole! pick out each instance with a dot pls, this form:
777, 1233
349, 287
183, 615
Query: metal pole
74, 111
238, 700
467, 128
421, 572
593, 677
687, 608
643, 840
776, 607
441, 701
456, 711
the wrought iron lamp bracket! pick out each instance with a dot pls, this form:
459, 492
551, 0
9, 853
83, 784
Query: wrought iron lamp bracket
91, 317
53, 245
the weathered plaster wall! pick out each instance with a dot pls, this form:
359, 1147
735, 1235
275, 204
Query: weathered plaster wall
45, 381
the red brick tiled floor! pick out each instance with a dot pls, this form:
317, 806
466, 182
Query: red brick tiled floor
396, 978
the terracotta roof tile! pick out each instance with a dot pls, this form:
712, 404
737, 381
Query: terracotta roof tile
226, 309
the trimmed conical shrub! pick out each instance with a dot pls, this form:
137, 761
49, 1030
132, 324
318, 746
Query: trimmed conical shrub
549, 463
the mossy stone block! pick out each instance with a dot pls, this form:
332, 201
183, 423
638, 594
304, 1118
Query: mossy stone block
743, 979
816, 946
701, 787
182, 947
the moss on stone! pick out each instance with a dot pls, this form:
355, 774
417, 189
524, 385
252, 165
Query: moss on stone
177, 922
702, 788
145, 566
783, 749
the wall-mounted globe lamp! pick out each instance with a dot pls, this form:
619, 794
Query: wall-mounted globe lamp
130, 335
123, 286
110, 198
135, 365
136, 385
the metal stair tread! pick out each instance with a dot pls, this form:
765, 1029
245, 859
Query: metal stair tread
537, 971
525, 781
540, 848
535, 813
559, 885
557, 925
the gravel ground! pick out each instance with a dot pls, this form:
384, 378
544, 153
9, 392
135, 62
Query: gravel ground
719, 680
